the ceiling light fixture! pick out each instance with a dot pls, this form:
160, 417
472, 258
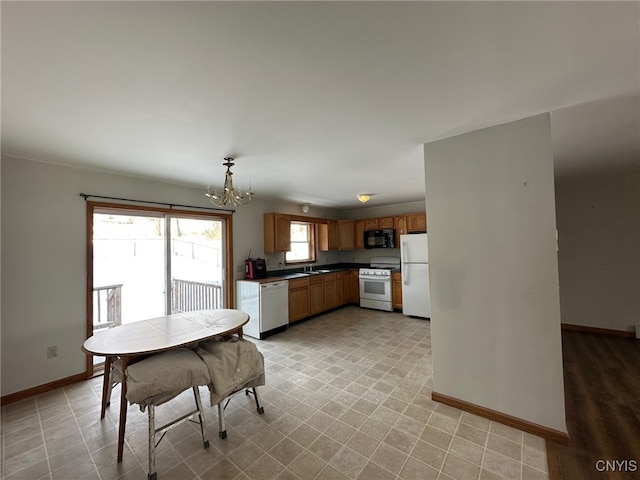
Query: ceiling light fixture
364, 198
305, 208
228, 193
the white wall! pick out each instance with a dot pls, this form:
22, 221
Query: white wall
599, 257
44, 259
494, 277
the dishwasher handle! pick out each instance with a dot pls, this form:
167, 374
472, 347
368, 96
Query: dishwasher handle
282, 284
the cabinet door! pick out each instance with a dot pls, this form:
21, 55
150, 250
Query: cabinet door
340, 299
346, 286
385, 222
417, 222
371, 224
354, 294
328, 236
298, 303
334, 235
298, 299
346, 234
316, 295
277, 233
359, 234
396, 290
400, 224
330, 291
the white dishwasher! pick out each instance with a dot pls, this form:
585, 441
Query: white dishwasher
267, 305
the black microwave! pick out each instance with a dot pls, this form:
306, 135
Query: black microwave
380, 238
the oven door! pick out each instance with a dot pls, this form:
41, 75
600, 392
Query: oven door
375, 288
375, 293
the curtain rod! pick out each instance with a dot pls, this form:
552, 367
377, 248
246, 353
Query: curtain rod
170, 205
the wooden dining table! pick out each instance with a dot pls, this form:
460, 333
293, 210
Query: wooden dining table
136, 340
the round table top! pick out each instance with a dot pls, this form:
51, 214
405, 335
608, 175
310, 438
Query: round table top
164, 333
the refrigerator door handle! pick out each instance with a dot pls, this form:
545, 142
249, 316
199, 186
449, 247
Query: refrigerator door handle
405, 275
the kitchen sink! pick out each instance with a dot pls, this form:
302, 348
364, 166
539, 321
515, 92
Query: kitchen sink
315, 272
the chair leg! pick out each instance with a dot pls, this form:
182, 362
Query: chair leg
259, 408
254, 391
222, 431
203, 427
152, 475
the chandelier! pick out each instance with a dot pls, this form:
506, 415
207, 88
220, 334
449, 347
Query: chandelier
228, 194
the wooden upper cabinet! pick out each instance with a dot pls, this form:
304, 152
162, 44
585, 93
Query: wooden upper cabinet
358, 229
385, 222
277, 233
346, 235
400, 224
417, 222
371, 224
328, 236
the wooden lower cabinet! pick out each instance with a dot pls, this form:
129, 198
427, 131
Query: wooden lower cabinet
298, 299
316, 295
396, 290
330, 291
354, 291
343, 286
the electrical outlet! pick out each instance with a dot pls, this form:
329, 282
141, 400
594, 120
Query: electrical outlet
267, 262
240, 268
52, 351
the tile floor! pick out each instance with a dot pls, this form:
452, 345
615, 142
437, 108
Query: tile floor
348, 397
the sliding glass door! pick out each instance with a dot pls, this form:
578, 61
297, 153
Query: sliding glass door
145, 263
129, 267
196, 264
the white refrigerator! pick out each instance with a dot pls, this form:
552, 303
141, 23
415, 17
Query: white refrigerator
414, 257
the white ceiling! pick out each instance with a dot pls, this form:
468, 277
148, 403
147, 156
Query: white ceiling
318, 101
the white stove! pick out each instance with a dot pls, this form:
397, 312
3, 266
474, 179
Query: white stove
375, 283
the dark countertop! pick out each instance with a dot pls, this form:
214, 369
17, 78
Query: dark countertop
292, 273
299, 272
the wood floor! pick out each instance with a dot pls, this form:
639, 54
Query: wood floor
602, 395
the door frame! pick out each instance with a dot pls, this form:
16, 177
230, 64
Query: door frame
217, 215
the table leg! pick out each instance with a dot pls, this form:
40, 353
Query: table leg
123, 408
105, 385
